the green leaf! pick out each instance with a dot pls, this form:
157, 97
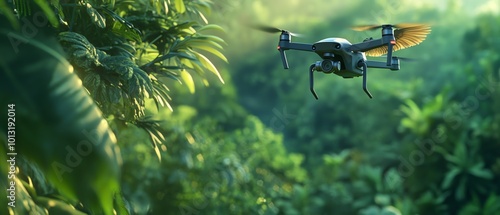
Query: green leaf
183, 25
152, 128
203, 17
55, 206
157, 152
211, 27
173, 54
119, 205
165, 6
208, 65
6, 11
188, 80
461, 189
491, 206
160, 95
460, 154
125, 31
473, 207
179, 6
411, 109
96, 17
478, 171
211, 50
79, 49
211, 38
450, 177
69, 139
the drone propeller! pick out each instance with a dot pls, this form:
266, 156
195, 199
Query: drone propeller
374, 27
406, 35
270, 29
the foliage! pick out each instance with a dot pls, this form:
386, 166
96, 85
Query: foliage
121, 66
433, 138
427, 143
67, 134
131, 46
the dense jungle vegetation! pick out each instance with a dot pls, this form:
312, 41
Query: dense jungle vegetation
177, 107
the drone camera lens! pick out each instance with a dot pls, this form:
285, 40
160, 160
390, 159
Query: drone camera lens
329, 66
337, 46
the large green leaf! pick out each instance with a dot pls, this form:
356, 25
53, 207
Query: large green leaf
188, 80
450, 177
6, 11
95, 16
479, 171
58, 126
51, 16
208, 65
179, 6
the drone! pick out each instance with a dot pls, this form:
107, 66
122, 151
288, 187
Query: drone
348, 60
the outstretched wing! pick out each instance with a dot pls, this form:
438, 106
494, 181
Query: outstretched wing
407, 36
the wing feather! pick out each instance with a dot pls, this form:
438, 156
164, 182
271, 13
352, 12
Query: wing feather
407, 36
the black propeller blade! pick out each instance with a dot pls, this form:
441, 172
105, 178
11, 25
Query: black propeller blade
270, 29
374, 27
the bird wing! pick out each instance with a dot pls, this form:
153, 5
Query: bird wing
408, 36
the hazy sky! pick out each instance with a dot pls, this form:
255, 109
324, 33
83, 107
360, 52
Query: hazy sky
473, 6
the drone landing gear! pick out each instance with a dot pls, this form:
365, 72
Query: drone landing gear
311, 80
326, 66
315, 66
365, 68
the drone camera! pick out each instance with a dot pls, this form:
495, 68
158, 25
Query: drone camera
328, 66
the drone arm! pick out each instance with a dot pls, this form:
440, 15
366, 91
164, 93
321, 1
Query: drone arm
388, 39
300, 47
286, 45
367, 45
371, 44
382, 65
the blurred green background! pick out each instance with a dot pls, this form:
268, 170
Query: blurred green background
259, 143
